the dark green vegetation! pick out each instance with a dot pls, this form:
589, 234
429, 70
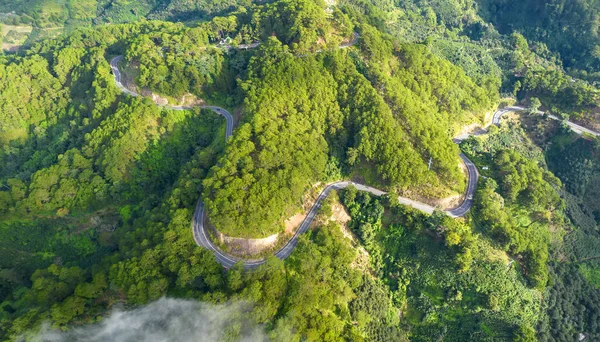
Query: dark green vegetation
351, 124
573, 298
97, 189
342, 124
44, 13
568, 28
576, 162
520, 205
537, 224
563, 32
449, 283
460, 31
484, 278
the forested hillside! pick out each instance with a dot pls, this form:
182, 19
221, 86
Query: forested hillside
342, 125
568, 28
98, 188
449, 281
575, 289
523, 62
263, 170
43, 13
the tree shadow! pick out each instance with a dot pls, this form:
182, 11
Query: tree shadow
159, 166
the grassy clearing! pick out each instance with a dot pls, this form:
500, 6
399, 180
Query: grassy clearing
14, 36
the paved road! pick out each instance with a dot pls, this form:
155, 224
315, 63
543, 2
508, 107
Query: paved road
353, 42
575, 127
114, 65
203, 239
472, 179
117, 74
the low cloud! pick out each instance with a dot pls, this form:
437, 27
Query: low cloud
167, 320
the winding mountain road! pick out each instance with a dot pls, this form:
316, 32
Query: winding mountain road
202, 238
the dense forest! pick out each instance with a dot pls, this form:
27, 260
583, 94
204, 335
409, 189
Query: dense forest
98, 188
568, 28
48, 13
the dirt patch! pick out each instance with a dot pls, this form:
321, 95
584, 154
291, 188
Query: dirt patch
474, 129
340, 214
446, 203
242, 247
190, 100
293, 222
14, 36
159, 100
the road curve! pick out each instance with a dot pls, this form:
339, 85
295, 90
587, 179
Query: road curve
114, 65
202, 237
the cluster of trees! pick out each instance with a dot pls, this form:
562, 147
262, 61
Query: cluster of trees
510, 135
574, 161
572, 298
178, 60
523, 181
303, 24
57, 94
560, 92
527, 240
430, 96
512, 158
97, 190
268, 164
454, 31
79, 165
458, 32
518, 209
343, 114
155, 255
79, 258
568, 28
117, 160
48, 13
520, 203
182, 61
572, 306
76, 13
481, 297
371, 137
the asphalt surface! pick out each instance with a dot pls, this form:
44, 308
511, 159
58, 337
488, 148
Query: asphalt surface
114, 65
353, 42
575, 127
202, 237
472, 179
